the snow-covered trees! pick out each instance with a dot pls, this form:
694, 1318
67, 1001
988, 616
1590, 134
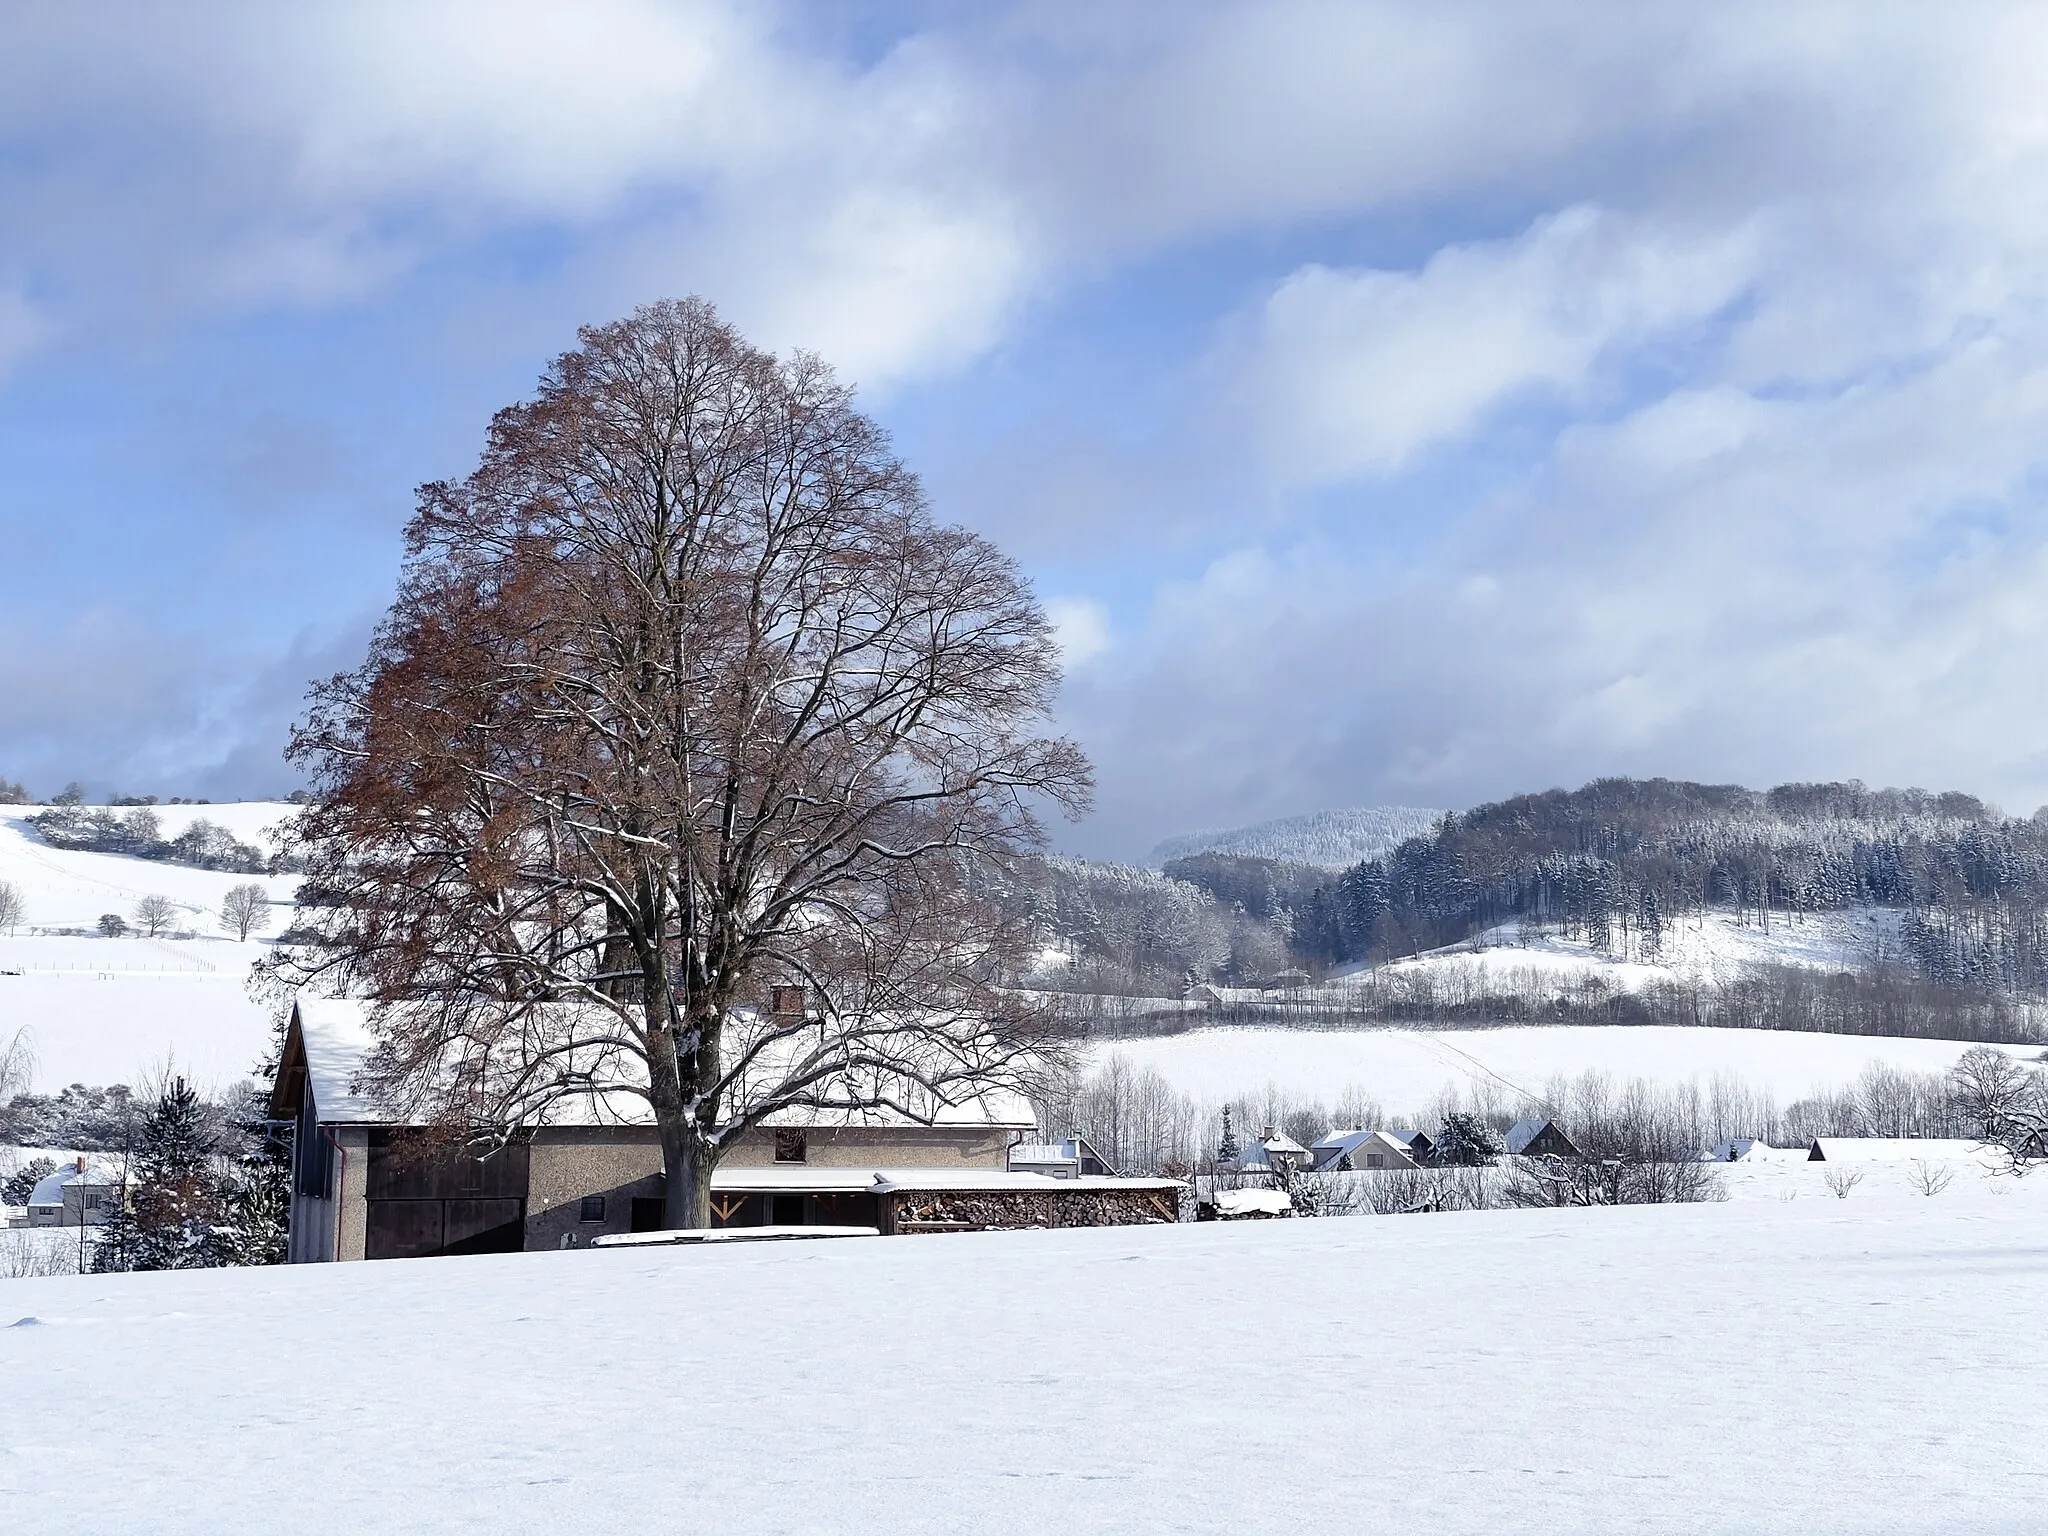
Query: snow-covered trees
23, 1181
12, 793
686, 696
1466, 1141
245, 910
112, 925
12, 908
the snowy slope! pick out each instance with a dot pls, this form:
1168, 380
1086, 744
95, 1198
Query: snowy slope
67, 889
1705, 948
1328, 839
1406, 1069
1809, 1367
116, 1010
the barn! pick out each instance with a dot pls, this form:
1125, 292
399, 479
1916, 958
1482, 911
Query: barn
368, 1185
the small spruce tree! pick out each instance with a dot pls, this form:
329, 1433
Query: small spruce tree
173, 1218
1227, 1149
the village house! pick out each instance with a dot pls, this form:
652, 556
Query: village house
1260, 1154
1537, 1138
86, 1194
1366, 1151
367, 1185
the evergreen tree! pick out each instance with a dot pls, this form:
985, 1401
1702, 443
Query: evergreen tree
1228, 1148
257, 1206
178, 1201
23, 1184
1467, 1141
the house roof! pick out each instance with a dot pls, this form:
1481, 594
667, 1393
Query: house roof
791, 1178
1522, 1132
99, 1174
1333, 1149
331, 1039
1888, 1149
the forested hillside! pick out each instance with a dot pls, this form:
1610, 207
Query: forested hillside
1950, 896
1325, 840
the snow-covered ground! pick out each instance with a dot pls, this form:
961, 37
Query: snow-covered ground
63, 888
1802, 1366
99, 1010
1406, 1069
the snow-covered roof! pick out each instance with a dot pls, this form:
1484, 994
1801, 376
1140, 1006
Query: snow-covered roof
799, 1178
1888, 1149
1251, 1202
1334, 1149
338, 1041
100, 1173
1522, 1132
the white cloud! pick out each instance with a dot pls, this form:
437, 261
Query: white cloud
1358, 371
1081, 628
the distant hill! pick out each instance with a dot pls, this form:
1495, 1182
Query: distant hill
1326, 839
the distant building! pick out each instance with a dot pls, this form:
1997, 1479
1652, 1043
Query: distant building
83, 1195
1074, 1158
1537, 1138
368, 1184
1287, 981
1420, 1146
1276, 1146
1366, 1151
1888, 1149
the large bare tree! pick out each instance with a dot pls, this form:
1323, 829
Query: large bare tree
686, 698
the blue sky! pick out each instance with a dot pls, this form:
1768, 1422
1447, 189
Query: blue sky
1405, 404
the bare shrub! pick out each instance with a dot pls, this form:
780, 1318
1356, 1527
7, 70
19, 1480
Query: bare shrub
12, 908
1841, 1180
1929, 1178
1410, 1191
30, 1253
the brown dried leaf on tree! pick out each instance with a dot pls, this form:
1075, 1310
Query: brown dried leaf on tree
685, 695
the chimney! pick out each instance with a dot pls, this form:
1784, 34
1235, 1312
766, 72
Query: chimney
81, 1163
1271, 1132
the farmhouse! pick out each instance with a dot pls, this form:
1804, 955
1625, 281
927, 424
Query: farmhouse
365, 1184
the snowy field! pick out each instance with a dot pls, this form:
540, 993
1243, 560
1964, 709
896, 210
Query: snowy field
98, 1010
1406, 1069
1803, 1366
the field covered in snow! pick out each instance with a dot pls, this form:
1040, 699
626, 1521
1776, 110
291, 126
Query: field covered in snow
1407, 1069
1802, 1366
100, 1010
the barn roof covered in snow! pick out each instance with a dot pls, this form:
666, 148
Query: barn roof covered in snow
330, 1040
1888, 1149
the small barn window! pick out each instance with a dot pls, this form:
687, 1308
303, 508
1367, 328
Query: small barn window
593, 1208
789, 1146
1375, 1159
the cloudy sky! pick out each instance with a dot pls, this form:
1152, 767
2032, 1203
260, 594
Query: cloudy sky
1409, 404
